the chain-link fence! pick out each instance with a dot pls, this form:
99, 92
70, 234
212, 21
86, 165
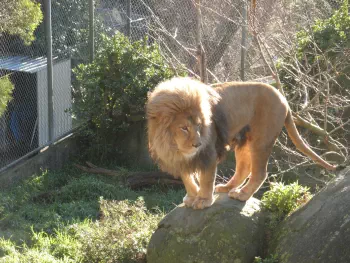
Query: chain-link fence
173, 25
24, 127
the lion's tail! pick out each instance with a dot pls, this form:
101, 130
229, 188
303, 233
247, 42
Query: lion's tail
301, 145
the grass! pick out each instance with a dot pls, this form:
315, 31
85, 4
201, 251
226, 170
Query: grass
72, 216
270, 259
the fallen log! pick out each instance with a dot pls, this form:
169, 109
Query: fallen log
91, 168
135, 180
142, 179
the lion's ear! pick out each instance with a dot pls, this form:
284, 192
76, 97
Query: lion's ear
155, 118
161, 118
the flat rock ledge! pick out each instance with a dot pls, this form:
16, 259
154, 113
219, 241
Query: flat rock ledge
229, 231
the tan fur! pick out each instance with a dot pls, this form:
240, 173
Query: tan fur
190, 125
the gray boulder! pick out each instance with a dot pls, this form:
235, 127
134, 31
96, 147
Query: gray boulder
319, 231
227, 232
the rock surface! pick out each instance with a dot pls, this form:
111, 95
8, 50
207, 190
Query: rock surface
319, 231
227, 232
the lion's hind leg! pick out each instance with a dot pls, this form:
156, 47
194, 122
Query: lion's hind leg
258, 176
265, 128
243, 167
259, 159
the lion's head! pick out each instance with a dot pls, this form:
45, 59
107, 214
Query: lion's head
179, 115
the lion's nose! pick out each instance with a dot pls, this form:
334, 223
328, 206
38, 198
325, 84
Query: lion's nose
196, 145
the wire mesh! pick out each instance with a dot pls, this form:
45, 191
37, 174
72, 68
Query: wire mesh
24, 124
18, 124
171, 24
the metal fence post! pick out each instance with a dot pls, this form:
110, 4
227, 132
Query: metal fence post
244, 39
48, 32
128, 14
91, 31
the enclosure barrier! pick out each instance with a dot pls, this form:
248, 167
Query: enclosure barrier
41, 72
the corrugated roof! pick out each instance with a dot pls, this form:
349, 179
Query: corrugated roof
23, 64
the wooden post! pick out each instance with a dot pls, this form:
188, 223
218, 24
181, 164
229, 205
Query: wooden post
128, 14
200, 53
244, 39
91, 31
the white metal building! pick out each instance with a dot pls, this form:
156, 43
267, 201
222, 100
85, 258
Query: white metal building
35, 70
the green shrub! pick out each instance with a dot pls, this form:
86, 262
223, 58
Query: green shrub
283, 199
20, 17
121, 235
112, 90
6, 88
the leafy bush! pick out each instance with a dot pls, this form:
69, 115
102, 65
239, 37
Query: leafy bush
20, 17
283, 199
112, 90
119, 236
6, 88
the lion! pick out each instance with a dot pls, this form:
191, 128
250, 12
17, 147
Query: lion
192, 125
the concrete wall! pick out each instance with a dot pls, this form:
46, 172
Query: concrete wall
52, 157
134, 145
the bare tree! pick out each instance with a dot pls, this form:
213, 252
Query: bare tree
314, 92
319, 101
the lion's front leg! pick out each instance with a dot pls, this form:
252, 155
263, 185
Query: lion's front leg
205, 196
191, 189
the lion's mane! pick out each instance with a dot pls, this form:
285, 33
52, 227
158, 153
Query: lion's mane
184, 95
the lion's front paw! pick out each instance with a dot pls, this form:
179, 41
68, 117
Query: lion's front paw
239, 195
201, 203
222, 188
188, 200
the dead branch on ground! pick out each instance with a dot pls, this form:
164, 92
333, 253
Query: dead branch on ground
135, 180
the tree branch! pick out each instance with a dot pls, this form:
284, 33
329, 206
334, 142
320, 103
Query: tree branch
316, 130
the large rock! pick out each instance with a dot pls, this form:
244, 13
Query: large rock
320, 231
229, 231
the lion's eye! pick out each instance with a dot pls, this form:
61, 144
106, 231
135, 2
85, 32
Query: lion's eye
184, 128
